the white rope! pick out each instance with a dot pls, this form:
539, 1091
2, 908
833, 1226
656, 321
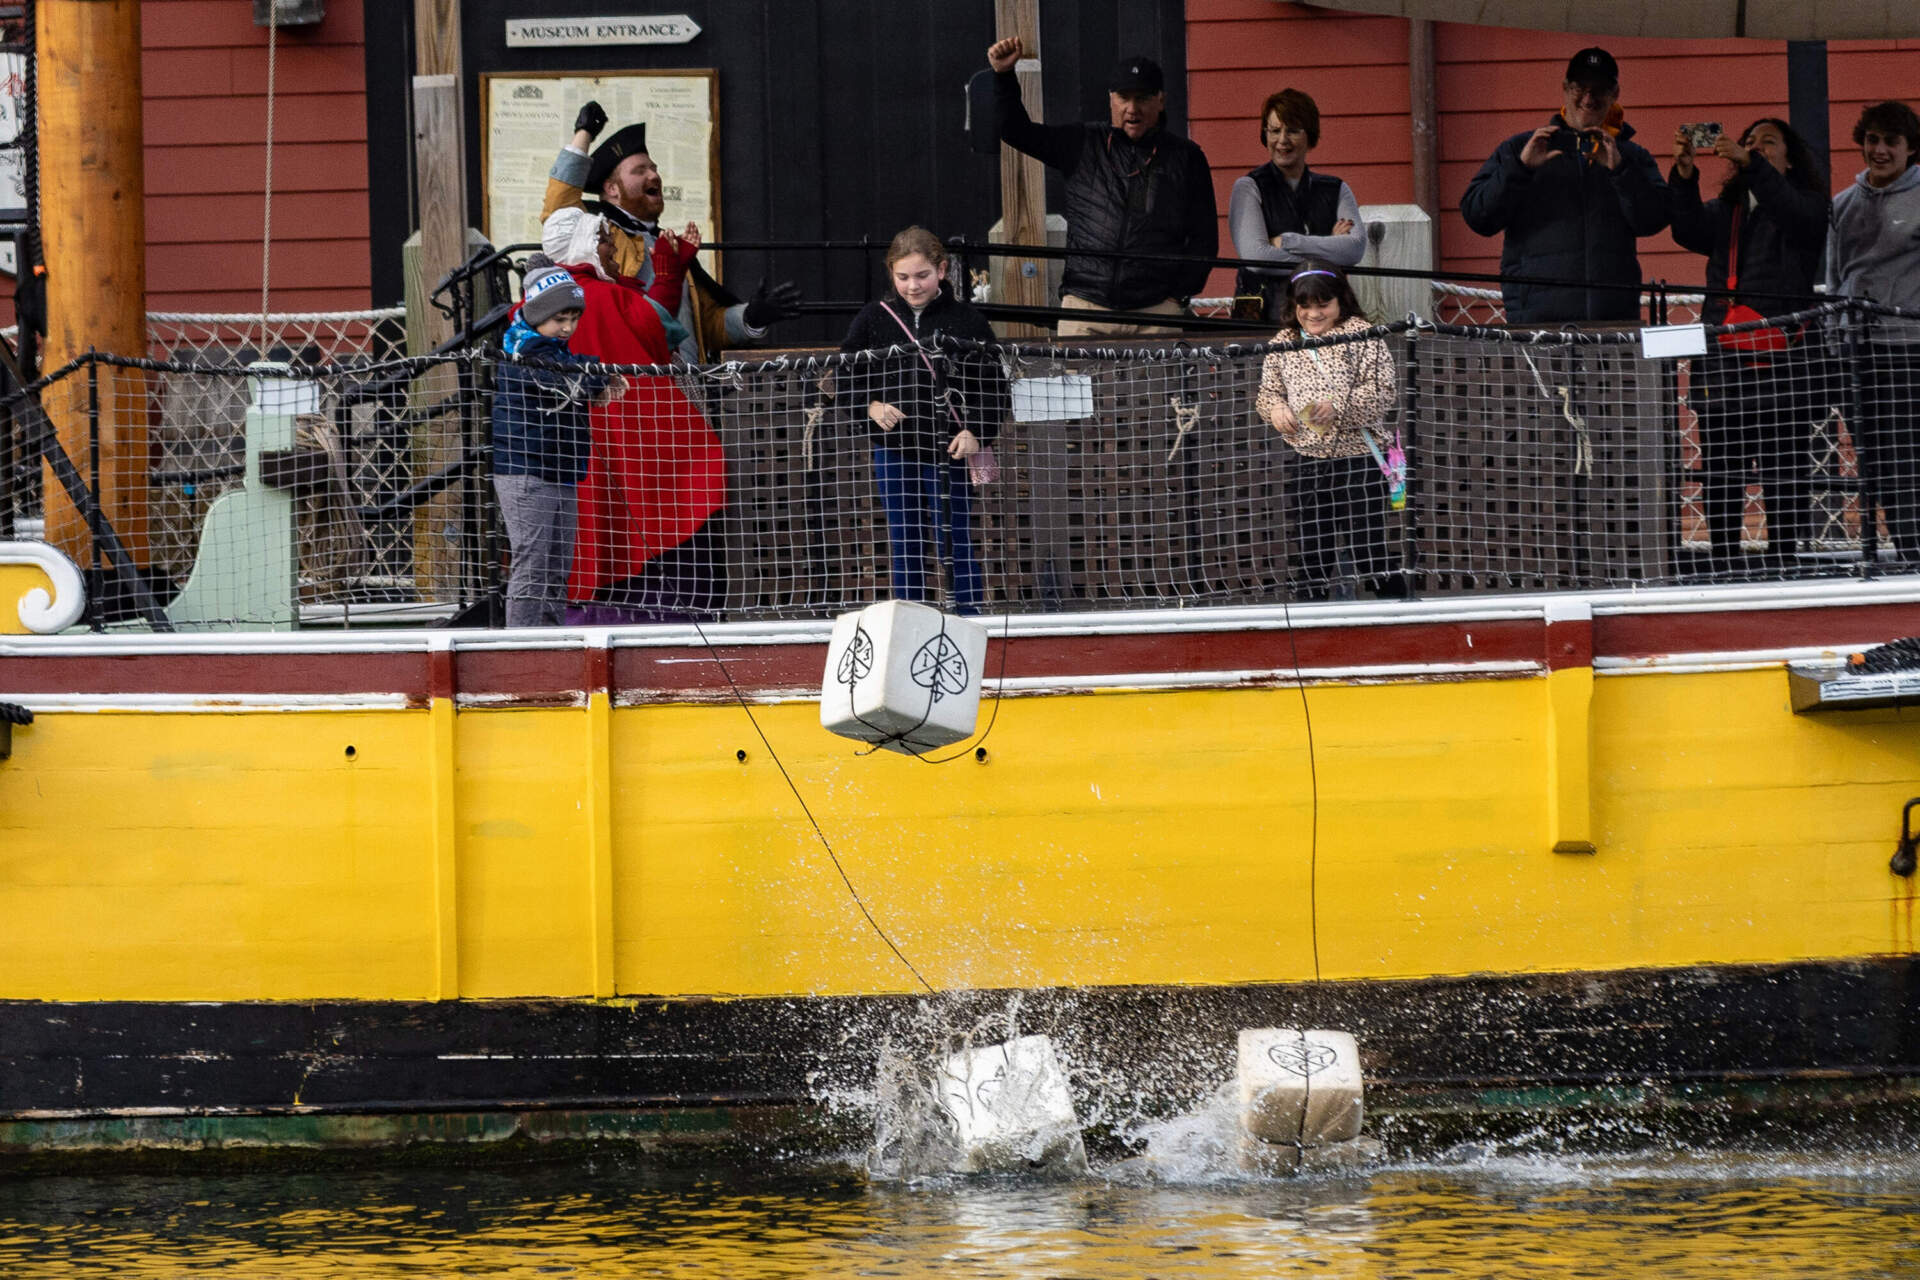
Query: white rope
1185, 418
1582, 442
1448, 289
266, 229
371, 316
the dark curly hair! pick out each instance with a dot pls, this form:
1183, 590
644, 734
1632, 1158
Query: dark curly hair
1890, 117
1803, 170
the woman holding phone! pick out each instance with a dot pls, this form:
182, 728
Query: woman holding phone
1755, 391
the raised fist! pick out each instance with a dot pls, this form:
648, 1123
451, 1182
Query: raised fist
1003, 54
591, 120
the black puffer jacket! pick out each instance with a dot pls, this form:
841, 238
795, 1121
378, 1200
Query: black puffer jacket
1783, 239
1154, 196
1571, 219
978, 382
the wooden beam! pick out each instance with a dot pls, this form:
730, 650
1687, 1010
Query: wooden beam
439, 146
1424, 118
93, 227
1023, 179
436, 37
440, 176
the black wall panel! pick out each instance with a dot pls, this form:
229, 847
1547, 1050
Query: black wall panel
839, 119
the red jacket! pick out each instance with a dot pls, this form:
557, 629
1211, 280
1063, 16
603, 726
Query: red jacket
657, 470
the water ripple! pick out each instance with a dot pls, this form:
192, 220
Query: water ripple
1673, 1215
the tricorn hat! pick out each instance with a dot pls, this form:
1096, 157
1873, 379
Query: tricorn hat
631, 140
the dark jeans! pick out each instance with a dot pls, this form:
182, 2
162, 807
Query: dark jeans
1756, 424
916, 495
1335, 506
1889, 442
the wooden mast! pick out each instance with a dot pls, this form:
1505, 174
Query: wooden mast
93, 228
439, 147
1023, 179
440, 176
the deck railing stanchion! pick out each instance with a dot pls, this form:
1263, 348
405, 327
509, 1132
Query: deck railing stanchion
96, 572
1410, 443
1866, 465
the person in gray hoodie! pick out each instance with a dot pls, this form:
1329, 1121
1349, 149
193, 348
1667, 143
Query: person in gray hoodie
1873, 253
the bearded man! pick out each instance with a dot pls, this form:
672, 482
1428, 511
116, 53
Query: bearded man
631, 197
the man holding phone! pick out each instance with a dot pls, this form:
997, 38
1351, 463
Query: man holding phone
1571, 197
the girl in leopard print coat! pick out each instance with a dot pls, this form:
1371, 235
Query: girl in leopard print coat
1328, 401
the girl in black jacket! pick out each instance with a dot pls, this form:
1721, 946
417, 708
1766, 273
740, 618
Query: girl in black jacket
930, 407
1756, 395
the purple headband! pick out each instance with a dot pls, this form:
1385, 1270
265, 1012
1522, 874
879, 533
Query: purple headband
1312, 271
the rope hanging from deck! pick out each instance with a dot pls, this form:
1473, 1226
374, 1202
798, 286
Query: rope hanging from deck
266, 229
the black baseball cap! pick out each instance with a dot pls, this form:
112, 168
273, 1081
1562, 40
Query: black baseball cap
1593, 66
1137, 76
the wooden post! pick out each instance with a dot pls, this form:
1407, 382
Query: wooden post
1425, 121
93, 226
440, 175
439, 147
1807, 96
1023, 179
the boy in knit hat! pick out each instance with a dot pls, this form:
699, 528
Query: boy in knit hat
541, 440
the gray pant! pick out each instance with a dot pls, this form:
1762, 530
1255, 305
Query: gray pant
539, 515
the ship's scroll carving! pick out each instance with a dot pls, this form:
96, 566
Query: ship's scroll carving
38, 610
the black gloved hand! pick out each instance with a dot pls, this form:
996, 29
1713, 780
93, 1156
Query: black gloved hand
592, 118
772, 305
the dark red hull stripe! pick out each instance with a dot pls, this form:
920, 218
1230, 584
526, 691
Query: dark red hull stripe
1646, 635
563, 675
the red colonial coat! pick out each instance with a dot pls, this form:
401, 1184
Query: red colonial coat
657, 471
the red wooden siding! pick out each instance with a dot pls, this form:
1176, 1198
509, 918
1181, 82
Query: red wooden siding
1491, 82
204, 81
204, 76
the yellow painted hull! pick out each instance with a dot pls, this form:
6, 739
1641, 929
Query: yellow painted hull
1188, 836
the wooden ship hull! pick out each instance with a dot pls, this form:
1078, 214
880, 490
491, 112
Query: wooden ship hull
1535, 851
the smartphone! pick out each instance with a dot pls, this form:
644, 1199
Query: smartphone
1702, 137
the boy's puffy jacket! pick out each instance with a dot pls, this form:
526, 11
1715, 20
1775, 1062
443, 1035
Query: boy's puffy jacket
540, 425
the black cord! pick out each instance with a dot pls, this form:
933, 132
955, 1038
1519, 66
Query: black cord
824, 842
1313, 785
1006, 633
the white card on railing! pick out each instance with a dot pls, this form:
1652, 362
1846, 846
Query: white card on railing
1053, 399
1671, 341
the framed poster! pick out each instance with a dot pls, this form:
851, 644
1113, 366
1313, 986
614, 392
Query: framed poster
530, 117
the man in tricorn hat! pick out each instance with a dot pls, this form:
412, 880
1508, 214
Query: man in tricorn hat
620, 181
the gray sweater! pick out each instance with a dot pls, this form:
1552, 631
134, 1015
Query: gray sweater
1873, 248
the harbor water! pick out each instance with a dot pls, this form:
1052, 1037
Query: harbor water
1674, 1214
